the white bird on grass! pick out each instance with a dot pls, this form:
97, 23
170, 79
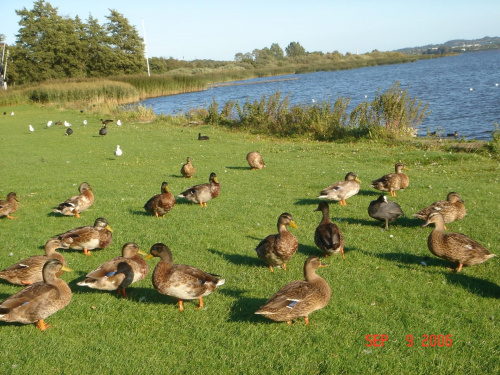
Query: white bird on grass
32, 129
84, 122
119, 123
12, 113
118, 151
49, 124
67, 124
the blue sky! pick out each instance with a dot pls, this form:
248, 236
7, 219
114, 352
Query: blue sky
219, 29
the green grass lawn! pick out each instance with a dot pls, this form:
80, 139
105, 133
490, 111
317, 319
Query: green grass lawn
381, 287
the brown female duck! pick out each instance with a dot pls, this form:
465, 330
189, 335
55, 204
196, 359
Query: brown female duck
75, 205
255, 160
88, 238
29, 271
393, 181
277, 249
454, 247
9, 205
299, 298
328, 236
113, 275
162, 203
181, 281
204, 192
188, 169
452, 209
342, 190
40, 300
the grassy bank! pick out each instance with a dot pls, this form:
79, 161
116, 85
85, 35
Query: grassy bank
382, 287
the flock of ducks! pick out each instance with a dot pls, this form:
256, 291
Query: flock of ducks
46, 293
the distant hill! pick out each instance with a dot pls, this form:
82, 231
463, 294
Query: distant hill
457, 45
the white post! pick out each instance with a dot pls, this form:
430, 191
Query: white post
145, 47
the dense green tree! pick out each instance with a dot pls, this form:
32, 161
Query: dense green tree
127, 46
98, 51
277, 52
294, 49
40, 42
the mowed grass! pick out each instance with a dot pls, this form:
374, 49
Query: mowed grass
381, 287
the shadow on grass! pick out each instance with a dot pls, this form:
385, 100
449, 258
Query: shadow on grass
240, 168
372, 193
309, 250
410, 259
239, 259
311, 202
243, 309
482, 288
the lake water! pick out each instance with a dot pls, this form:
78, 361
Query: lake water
463, 91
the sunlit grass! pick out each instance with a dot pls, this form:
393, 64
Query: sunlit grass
381, 287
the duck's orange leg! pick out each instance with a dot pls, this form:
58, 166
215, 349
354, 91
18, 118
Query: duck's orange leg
181, 305
306, 319
122, 292
342, 252
11, 217
26, 282
200, 306
86, 251
201, 204
77, 215
284, 266
459, 268
393, 193
41, 324
271, 268
156, 214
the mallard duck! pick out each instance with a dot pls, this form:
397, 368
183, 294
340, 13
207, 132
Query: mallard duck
452, 209
342, 190
204, 192
181, 281
277, 249
105, 122
202, 137
393, 181
328, 236
188, 169
29, 271
9, 205
119, 272
162, 203
40, 300
454, 247
384, 210
299, 298
89, 237
75, 205
255, 160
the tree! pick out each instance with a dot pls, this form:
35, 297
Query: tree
277, 52
40, 43
294, 49
127, 45
98, 52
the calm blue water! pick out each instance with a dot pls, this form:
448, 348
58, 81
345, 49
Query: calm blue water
445, 83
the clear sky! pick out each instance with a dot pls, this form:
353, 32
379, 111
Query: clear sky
218, 29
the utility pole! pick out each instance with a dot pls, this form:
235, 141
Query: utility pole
145, 47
